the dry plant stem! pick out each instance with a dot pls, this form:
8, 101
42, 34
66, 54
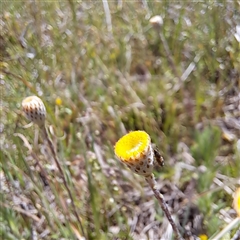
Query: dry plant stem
227, 228
151, 181
45, 134
107, 15
20, 210
169, 55
25, 82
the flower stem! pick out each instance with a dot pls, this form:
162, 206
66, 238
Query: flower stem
45, 135
153, 184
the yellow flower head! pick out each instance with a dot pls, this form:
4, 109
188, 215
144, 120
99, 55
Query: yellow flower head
58, 101
135, 150
203, 237
34, 109
236, 201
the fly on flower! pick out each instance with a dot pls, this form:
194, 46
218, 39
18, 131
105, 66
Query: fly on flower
136, 151
158, 157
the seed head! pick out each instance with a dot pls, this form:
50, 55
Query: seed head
156, 21
135, 150
34, 110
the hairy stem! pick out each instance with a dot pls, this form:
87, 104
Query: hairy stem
153, 184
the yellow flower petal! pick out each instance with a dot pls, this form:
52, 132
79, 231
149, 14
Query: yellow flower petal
236, 201
132, 145
58, 101
203, 237
135, 150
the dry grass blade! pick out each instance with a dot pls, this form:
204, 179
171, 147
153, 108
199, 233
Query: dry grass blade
230, 226
19, 210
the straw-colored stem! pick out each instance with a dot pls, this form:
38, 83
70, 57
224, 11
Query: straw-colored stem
169, 55
45, 134
107, 15
227, 229
152, 182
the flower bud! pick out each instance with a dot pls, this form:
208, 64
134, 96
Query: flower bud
156, 21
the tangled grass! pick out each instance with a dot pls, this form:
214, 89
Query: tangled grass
102, 69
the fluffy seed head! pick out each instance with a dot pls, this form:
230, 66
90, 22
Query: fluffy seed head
34, 110
135, 150
236, 201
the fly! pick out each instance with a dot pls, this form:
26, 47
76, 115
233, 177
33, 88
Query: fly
158, 157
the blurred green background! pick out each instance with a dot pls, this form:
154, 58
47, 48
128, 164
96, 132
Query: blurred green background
102, 69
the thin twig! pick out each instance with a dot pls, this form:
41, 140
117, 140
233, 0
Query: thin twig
45, 135
153, 184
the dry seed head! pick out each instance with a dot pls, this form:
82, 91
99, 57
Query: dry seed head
34, 110
135, 150
156, 21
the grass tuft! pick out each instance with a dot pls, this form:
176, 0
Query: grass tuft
114, 73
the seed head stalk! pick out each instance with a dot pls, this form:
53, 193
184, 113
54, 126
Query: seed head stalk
50, 144
135, 151
35, 111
